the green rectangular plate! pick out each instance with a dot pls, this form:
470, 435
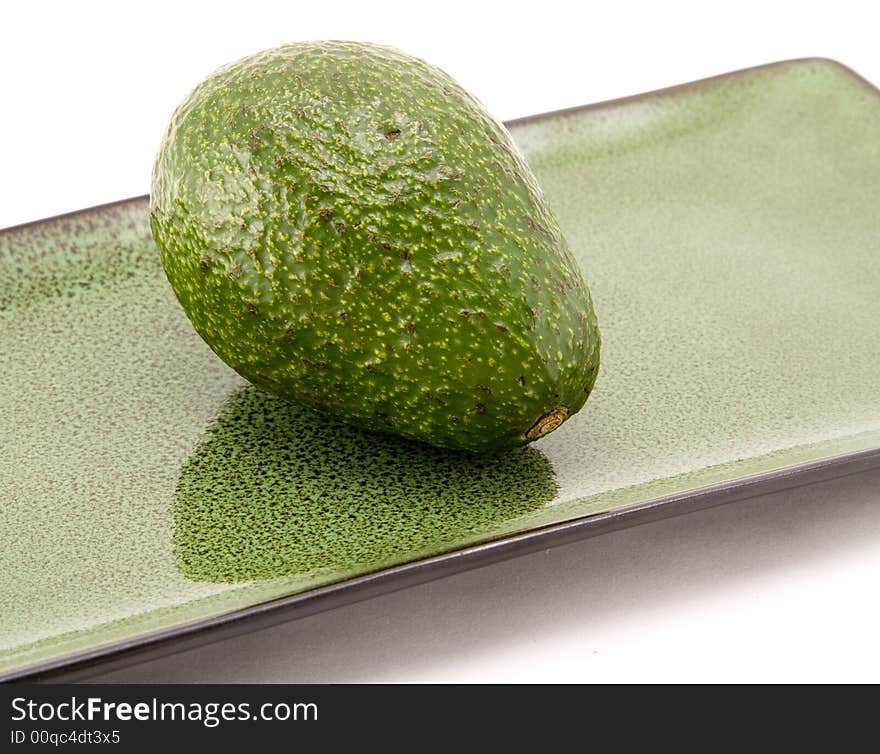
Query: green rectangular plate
730, 232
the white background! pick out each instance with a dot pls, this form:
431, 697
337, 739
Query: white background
780, 588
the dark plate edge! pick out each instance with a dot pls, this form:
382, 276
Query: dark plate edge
175, 639
81, 665
690, 85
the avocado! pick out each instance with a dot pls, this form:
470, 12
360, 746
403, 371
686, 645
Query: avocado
348, 228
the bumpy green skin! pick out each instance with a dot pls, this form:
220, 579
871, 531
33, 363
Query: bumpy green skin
348, 228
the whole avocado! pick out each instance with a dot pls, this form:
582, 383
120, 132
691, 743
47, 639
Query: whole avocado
348, 228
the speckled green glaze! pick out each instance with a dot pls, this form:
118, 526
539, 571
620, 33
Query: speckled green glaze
348, 228
734, 251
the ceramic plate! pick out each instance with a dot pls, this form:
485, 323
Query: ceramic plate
730, 232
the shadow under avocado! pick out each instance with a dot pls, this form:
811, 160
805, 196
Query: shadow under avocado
274, 490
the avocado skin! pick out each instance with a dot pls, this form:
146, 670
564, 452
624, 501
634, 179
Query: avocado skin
348, 228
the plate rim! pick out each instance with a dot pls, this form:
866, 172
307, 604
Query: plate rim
180, 637
534, 118
167, 641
